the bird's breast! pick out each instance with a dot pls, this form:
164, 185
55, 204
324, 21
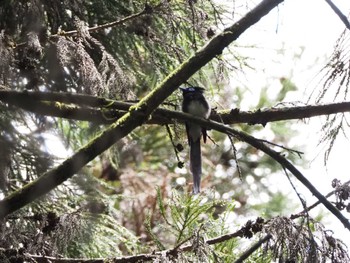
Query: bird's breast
198, 109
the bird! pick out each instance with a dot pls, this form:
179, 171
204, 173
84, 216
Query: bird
195, 103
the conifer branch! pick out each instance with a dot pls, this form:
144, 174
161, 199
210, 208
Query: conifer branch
260, 145
147, 10
135, 117
247, 231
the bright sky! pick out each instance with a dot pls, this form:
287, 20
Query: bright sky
295, 25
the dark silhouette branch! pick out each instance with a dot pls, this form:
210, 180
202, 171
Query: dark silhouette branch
136, 116
339, 13
253, 248
105, 111
258, 144
309, 208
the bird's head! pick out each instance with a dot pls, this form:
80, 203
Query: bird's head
192, 90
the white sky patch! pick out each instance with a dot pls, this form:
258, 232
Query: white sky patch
54, 146
308, 30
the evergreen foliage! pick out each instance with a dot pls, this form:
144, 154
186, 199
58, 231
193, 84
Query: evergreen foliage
132, 202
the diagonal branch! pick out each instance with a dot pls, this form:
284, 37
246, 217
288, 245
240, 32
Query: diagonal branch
309, 208
309, 111
339, 13
258, 144
136, 116
253, 248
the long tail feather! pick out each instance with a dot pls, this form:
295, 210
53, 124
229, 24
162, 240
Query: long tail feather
196, 165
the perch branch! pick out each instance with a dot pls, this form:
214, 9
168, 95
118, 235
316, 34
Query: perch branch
135, 117
106, 111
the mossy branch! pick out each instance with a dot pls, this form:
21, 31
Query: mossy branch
136, 115
106, 111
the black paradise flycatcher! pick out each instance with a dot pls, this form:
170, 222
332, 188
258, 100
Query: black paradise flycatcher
194, 103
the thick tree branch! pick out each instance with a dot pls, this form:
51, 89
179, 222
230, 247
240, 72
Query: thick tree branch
136, 116
106, 111
281, 113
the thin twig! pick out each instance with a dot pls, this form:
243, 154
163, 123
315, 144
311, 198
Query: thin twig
307, 216
147, 257
127, 259
234, 150
176, 149
299, 153
302, 201
302, 213
253, 248
147, 10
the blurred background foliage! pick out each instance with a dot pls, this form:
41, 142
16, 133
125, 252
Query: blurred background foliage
134, 197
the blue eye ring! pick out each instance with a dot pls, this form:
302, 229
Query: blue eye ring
192, 89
